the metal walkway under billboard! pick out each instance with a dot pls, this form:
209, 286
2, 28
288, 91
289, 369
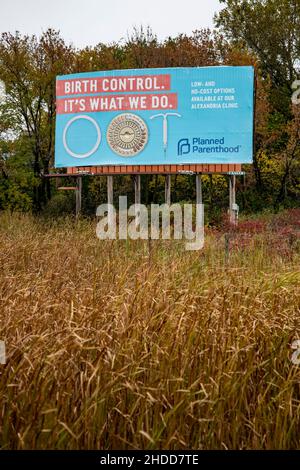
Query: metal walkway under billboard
155, 169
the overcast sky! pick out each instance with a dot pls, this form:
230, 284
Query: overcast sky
88, 22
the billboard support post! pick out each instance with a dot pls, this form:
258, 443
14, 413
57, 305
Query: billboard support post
233, 208
168, 190
137, 196
110, 189
137, 189
110, 197
78, 194
199, 189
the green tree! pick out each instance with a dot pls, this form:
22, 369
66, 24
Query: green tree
28, 67
270, 29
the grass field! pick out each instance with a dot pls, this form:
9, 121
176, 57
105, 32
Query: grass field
118, 345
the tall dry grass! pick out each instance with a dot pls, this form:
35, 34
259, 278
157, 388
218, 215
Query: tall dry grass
110, 348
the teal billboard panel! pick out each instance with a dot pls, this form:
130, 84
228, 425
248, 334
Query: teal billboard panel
155, 117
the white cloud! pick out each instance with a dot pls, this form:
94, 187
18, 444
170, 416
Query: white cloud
93, 21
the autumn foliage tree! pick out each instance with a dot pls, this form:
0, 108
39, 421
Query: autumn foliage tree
28, 67
269, 30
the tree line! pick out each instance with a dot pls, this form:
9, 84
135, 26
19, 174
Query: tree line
264, 34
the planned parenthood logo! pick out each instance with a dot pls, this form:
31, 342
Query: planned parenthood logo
183, 147
138, 222
197, 145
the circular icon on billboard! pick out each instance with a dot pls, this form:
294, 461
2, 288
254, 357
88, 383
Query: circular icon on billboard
98, 138
127, 134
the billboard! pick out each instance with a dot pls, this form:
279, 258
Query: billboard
155, 117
